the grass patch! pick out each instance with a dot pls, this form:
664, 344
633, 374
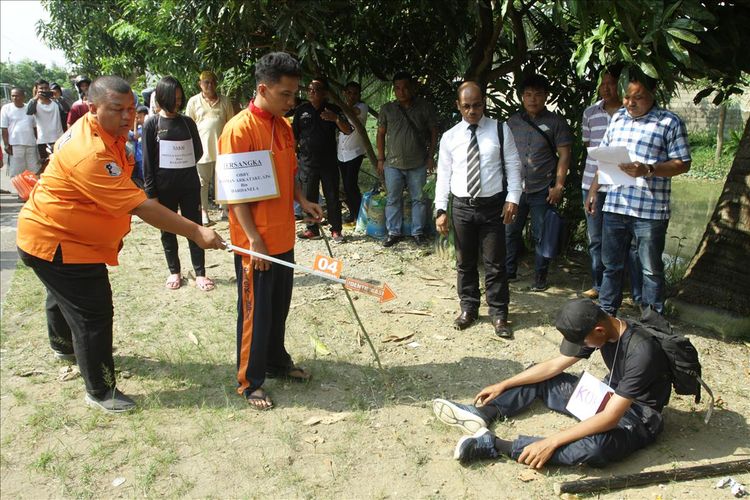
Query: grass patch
703, 151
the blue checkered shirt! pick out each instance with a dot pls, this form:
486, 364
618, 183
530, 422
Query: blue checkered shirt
657, 136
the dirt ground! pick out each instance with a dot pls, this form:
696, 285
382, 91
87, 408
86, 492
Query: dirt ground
353, 431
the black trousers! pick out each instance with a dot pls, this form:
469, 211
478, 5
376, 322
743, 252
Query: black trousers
636, 429
79, 316
476, 227
311, 178
263, 299
350, 178
186, 198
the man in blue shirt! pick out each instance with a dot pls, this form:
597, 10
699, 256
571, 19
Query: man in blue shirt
657, 142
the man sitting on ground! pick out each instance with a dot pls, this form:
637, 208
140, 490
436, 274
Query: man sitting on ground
640, 376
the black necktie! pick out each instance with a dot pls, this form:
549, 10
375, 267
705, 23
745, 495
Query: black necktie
473, 184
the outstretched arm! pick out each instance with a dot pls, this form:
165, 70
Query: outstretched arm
532, 375
159, 216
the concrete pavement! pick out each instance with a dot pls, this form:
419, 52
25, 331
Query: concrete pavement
9, 207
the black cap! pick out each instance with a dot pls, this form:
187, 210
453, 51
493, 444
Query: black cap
575, 321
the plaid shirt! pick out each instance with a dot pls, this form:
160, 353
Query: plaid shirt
594, 125
657, 136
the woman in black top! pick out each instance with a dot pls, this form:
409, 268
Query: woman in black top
171, 147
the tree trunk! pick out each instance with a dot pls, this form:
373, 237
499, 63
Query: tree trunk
719, 273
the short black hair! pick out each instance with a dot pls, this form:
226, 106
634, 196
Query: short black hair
322, 81
20, 89
166, 94
614, 70
104, 84
41, 81
274, 65
353, 85
402, 75
534, 81
141, 109
636, 75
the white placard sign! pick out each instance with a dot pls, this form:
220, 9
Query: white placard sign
176, 154
589, 397
244, 177
609, 159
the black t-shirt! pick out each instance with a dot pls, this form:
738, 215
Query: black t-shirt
641, 373
316, 137
179, 128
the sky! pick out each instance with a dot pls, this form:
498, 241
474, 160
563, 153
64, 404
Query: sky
18, 33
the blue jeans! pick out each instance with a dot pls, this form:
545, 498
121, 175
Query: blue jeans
536, 205
395, 180
649, 235
594, 233
637, 428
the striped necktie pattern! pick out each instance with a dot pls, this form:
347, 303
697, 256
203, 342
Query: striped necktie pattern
473, 184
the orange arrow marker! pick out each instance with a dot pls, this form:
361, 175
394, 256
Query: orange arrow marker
385, 292
388, 294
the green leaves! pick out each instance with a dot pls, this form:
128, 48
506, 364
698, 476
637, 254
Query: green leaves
683, 35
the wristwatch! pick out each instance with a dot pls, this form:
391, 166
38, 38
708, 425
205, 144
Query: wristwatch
651, 169
440, 212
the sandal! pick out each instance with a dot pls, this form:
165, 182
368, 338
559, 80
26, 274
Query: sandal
174, 282
259, 400
292, 374
205, 284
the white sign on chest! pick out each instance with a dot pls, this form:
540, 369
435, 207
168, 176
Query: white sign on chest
244, 177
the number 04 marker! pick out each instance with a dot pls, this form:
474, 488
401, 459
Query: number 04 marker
326, 268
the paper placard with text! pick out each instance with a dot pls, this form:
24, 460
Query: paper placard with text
328, 265
176, 154
245, 177
589, 397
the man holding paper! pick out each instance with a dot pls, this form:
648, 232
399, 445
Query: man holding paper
650, 146
264, 225
625, 417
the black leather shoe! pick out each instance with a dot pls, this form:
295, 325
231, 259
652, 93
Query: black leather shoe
540, 283
420, 240
502, 328
391, 240
464, 320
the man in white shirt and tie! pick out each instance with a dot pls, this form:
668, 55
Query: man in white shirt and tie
473, 166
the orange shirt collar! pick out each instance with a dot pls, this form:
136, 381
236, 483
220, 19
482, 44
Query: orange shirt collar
258, 111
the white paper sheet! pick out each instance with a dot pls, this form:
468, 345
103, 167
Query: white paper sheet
244, 177
176, 154
608, 159
589, 397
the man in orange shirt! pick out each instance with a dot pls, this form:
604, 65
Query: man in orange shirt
72, 227
264, 289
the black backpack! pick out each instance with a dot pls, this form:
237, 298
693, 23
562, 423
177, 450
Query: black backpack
682, 356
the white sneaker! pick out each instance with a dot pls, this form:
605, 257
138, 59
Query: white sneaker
458, 415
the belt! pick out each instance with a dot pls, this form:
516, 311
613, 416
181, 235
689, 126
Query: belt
479, 200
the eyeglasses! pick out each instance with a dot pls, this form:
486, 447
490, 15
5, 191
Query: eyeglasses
314, 90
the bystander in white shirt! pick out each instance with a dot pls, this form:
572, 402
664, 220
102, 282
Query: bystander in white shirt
351, 146
20, 130
452, 163
48, 124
